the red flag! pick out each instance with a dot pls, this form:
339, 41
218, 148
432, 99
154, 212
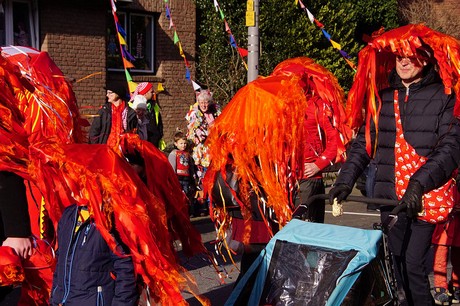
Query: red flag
243, 52
319, 24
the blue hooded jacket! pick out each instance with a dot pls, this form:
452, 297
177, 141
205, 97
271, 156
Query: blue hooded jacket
87, 271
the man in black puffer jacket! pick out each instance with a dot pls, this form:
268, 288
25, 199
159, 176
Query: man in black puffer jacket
413, 155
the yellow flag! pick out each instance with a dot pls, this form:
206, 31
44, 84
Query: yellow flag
336, 45
296, 2
132, 86
160, 87
121, 39
181, 51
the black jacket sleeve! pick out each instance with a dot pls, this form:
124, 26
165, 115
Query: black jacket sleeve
96, 128
14, 213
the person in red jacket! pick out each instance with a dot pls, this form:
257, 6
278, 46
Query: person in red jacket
320, 151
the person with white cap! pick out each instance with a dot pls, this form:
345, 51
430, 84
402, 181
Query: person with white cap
155, 126
140, 106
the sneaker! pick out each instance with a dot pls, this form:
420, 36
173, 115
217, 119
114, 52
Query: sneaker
456, 295
441, 296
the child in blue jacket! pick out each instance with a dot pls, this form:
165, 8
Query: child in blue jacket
88, 272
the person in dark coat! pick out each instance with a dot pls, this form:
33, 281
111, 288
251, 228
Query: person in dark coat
88, 272
15, 228
113, 118
414, 142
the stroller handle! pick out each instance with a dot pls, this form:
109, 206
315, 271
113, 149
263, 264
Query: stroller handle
301, 211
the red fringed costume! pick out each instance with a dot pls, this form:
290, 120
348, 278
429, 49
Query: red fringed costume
260, 132
41, 140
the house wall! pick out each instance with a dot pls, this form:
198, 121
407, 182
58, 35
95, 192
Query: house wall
73, 33
451, 5
74, 36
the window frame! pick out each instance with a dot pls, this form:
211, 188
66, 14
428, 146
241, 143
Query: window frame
32, 21
128, 29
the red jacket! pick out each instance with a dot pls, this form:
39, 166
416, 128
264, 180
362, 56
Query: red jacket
320, 135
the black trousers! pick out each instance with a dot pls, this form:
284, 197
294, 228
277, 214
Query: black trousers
308, 188
410, 242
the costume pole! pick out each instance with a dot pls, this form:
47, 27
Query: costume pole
252, 22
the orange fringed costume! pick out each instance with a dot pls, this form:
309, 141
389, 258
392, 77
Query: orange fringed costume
39, 140
260, 132
379, 58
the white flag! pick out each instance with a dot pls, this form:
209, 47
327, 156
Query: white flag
195, 86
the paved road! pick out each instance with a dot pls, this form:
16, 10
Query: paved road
209, 284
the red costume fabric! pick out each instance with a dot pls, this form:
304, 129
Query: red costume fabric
261, 132
117, 126
438, 203
380, 58
41, 140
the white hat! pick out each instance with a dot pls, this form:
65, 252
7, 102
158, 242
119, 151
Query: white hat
139, 102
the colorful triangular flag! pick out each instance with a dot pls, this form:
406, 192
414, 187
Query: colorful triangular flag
335, 44
160, 87
319, 24
181, 51
132, 86
232, 41
121, 30
326, 34
128, 76
127, 64
310, 16
187, 74
121, 40
243, 52
196, 86
302, 6
216, 5
176, 38
114, 8
168, 13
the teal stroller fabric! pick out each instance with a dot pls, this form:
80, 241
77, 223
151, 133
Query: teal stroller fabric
308, 264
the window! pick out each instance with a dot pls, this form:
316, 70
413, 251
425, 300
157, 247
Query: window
19, 23
139, 30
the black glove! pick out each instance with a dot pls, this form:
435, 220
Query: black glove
413, 199
340, 191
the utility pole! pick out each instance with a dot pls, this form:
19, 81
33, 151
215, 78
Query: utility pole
252, 22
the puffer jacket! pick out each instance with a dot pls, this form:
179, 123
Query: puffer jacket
102, 124
429, 126
88, 272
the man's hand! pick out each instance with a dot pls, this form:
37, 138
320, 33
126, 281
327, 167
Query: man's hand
339, 192
22, 246
412, 198
310, 169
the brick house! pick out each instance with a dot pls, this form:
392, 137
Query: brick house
76, 34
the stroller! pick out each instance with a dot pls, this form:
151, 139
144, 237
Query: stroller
321, 264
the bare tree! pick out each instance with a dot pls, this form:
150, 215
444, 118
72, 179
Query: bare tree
433, 14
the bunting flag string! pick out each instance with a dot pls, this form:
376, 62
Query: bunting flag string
177, 42
334, 44
241, 51
127, 58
